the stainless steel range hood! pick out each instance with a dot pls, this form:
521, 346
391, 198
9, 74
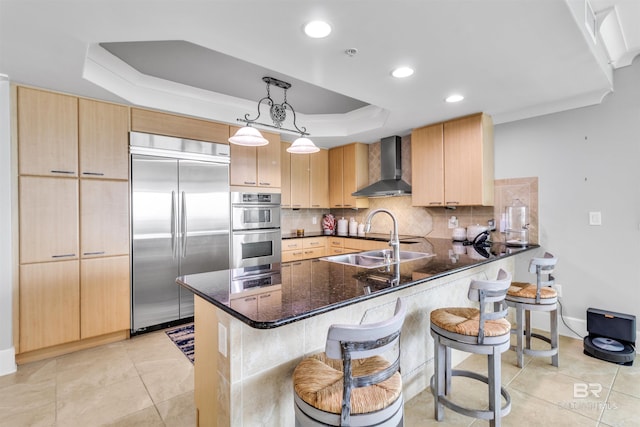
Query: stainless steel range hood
391, 183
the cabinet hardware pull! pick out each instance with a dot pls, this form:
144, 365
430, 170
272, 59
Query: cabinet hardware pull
296, 205
265, 183
250, 182
314, 243
93, 173
250, 299
297, 253
315, 206
347, 205
265, 296
66, 172
293, 245
63, 256
453, 203
435, 203
93, 253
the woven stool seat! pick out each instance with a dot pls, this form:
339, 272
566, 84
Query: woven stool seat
356, 381
318, 381
540, 296
529, 290
466, 321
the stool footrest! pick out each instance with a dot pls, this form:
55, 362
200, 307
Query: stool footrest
475, 413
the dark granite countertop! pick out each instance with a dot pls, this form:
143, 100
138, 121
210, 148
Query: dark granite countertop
278, 294
368, 236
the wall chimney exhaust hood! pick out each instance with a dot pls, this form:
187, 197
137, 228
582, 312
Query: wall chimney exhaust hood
391, 183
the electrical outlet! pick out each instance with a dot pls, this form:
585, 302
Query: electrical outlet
222, 339
559, 290
314, 220
453, 222
595, 218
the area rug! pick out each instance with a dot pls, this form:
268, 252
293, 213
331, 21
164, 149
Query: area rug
182, 337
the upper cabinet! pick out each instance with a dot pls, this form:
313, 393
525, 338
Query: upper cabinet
319, 179
47, 133
104, 140
256, 166
305, 179
348, 172
285, 175
456, 163
160, 123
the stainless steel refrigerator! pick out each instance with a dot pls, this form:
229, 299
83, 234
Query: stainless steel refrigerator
179, 223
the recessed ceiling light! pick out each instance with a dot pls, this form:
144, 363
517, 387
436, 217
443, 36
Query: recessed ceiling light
317, 29
454, 98
402, 72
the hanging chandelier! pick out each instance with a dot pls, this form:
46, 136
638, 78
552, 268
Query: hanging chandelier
250, 136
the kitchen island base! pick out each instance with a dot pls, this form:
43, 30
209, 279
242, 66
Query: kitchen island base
243, 375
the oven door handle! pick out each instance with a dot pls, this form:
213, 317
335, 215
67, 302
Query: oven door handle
257, 231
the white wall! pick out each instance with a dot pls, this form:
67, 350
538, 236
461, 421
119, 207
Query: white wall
7, 351
587, 159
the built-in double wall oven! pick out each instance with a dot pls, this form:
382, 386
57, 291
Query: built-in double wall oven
255, 224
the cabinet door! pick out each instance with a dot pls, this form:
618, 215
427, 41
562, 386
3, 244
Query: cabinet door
49, 304
48, 219
335, 177
355, 174
319, 179
468, 161
161, 123
268, 162
300, 181
104, 218
103, 140
285, 175
427, 171
105, 296
47, 133
242, 170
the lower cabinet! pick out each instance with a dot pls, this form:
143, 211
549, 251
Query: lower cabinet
66, 301
303, 248
104, 296
49, 301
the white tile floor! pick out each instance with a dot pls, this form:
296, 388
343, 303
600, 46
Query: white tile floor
147, 381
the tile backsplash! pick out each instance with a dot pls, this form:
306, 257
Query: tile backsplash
422, 221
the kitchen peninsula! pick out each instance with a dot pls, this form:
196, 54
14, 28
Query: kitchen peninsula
254, 325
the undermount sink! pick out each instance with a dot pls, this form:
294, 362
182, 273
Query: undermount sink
375, 259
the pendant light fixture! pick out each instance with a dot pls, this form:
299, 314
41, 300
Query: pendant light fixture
250, 136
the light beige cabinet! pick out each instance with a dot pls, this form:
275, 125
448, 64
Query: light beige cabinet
47, 133
48, 219
103, 138
161, 123
104, 218
305, 179
348, 172
285, 175
256, 166
49, 302
74, 233
466, 164
104, 296
303, 248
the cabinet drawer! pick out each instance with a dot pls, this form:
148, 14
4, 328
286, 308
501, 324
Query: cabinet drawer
295, 255
336, 242
313, 242
313, 252
291, 244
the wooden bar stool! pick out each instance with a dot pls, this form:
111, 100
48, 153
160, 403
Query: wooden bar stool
473, 330
528, 297
351, 383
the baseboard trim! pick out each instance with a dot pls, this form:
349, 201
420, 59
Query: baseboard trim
8, 361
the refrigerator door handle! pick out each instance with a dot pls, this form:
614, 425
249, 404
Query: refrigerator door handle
184, 224
173, 224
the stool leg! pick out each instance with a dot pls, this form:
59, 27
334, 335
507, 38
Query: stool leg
519, 333
554, 336
439, 368
495, 383
447, 371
